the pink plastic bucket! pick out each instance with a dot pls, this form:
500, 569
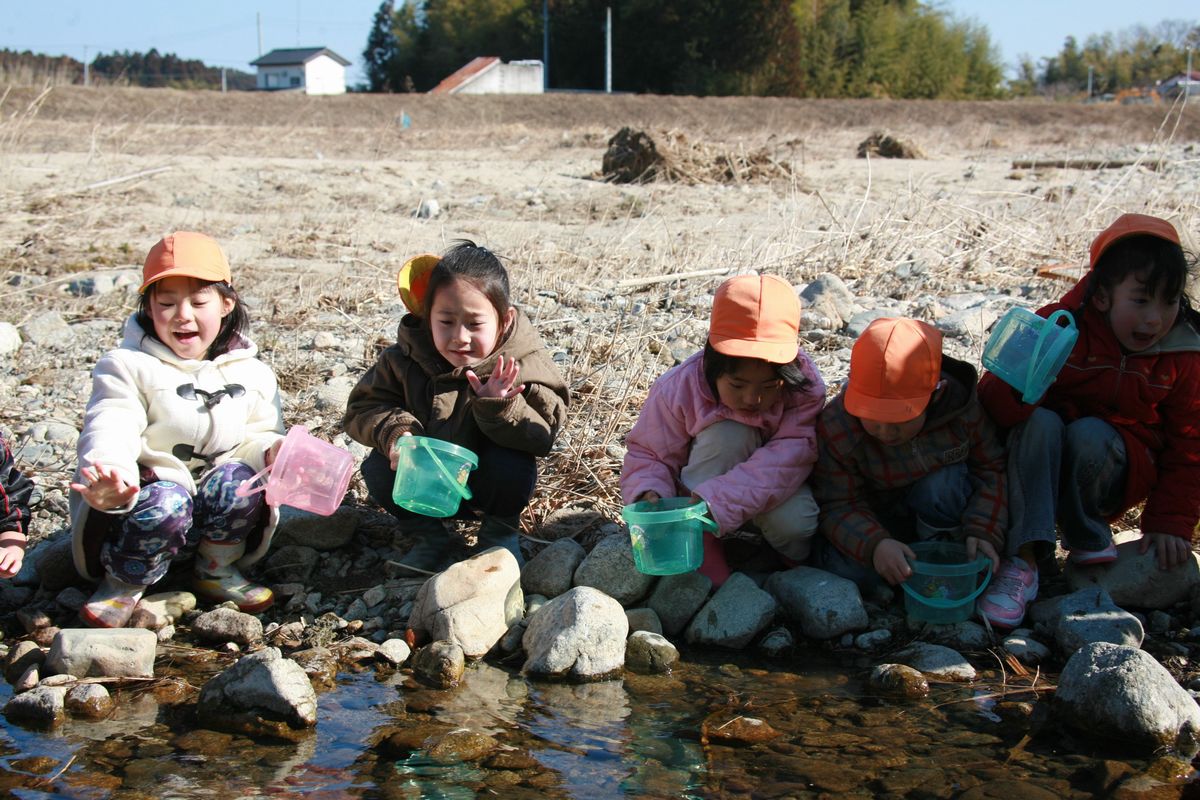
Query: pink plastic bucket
308, 473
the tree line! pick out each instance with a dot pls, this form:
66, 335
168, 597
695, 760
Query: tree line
806, 48
150, 69
1137, 57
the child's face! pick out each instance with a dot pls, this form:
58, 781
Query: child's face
1138, 320
187, 316
894, 433
752, 386
465, 324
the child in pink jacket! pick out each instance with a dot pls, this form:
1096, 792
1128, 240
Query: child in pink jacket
734, 425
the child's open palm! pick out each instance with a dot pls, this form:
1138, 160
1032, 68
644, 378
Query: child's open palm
104, 489
502, 383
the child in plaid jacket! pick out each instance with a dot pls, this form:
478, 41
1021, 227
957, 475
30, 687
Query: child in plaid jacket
906, 453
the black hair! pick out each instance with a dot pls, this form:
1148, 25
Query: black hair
717, 364
1167, 266
476, 265
233, 326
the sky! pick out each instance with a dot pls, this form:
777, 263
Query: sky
225, 33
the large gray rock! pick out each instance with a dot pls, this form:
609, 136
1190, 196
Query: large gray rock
825, 605
579, 635
306, 529
934, 659
677, 598
828, 303
551, 571
610, 568
649, 653
40, 707
228, 625
50, 330
1090, 615
737, 613
10, 339
1122, 694
263, 693
1134, 579
102, 653
472, 603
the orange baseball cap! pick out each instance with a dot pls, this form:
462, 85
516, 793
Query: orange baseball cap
1131, 225
413, 279
192, 255
894, 367
756, 316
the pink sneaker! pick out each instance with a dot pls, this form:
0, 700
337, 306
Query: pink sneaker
1085, 557
1015, 584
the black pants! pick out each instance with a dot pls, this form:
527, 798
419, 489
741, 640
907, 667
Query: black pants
501, 485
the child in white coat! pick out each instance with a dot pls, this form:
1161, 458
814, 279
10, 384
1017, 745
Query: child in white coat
180, 415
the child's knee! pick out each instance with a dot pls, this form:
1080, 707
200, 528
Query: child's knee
719, 448
791, 526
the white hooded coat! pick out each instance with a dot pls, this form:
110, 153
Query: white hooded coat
138, 421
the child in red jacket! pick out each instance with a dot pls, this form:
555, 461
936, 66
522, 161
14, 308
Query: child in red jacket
1120, 424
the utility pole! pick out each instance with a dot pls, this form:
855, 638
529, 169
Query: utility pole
608, 50
545, 45
224, 84
1090, 68
86, 68
259, 17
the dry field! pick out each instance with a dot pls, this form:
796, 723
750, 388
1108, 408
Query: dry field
314, 199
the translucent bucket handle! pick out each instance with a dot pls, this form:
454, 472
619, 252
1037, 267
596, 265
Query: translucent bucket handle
704, 520
937, 602
1050, 323
462, 489
242, 491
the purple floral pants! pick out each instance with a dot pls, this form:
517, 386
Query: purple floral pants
166, 524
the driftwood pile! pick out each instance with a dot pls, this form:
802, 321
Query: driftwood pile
633, 156
885, 145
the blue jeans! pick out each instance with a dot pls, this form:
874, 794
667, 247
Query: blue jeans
501, 485
936, 504
1070, 473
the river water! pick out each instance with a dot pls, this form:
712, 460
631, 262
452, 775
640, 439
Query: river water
660, 736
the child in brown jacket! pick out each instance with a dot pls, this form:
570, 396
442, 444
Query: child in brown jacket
468, 368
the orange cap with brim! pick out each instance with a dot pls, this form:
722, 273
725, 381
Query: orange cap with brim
894, 368
1128, 225
187, 254
756, 316
413, 279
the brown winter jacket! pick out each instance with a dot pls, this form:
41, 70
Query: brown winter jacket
411, 388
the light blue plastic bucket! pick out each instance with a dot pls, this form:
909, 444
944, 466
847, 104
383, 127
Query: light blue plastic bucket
1027, 351
667, 535
945, 583
431, 475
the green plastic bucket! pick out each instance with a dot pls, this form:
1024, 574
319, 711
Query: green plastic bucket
667, 535
944, 583
431, 475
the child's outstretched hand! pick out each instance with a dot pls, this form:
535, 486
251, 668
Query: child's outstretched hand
1170, 551
502, 382
105, 490
891, 561
12, 555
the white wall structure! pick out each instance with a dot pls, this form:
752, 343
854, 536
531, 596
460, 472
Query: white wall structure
312, 70
489, 75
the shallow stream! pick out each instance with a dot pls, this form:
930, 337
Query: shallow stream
662, 736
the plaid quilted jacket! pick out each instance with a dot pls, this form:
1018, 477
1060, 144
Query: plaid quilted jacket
860, 483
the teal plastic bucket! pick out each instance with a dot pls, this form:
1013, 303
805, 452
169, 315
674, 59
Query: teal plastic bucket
431, 475
667, 535
944, 583
1027, 351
